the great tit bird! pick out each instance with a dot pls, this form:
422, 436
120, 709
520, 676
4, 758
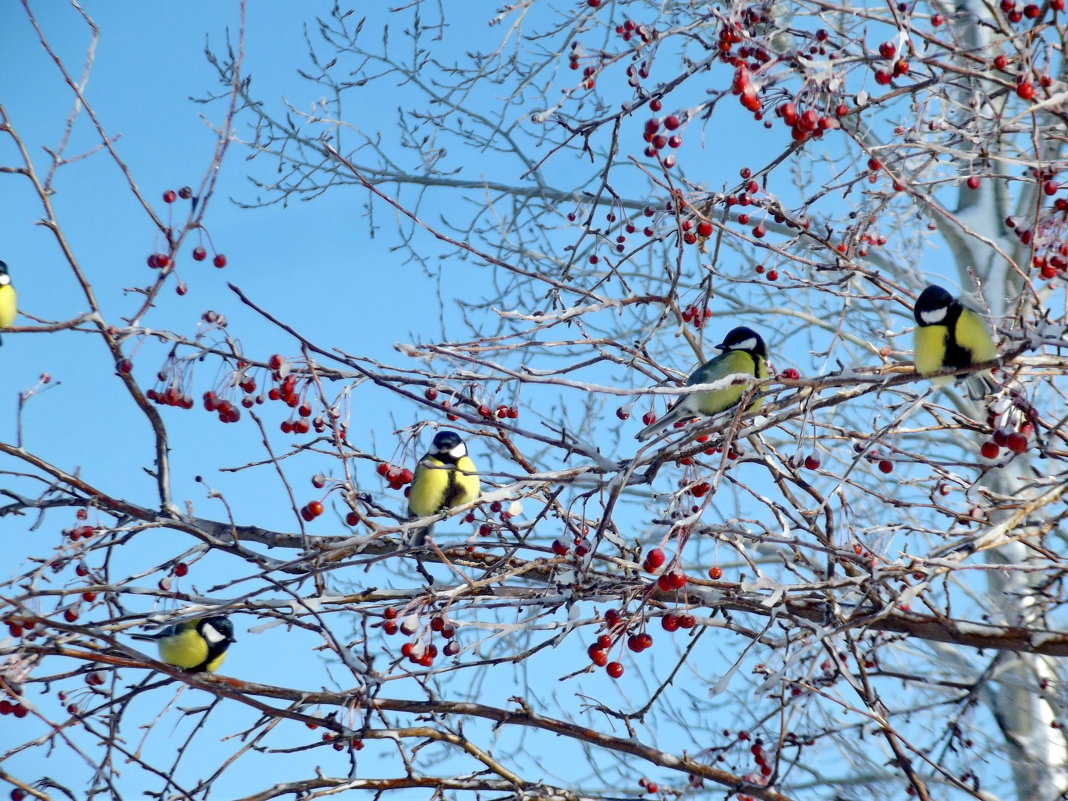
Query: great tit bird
7, 298
194, 645
743, 352
445, 477
949, 334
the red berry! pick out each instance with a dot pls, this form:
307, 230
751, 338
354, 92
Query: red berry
886, 466
669, 622
614, 669
715, 573
1017, 442
181, 569
671, 122
597, 655
990, 450
1025, 90
704, 228
655, 557
973, 182
185, 192
812, 461
124, 366
199, 253
219, 260
170, 196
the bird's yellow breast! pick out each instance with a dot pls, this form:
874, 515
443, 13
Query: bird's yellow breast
8, 305
187, 649
438, 485
972, 334
731, 363
467, 484
929, 343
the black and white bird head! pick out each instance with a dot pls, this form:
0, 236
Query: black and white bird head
217, 629
933, 306
448, 446
744, 338
5, 279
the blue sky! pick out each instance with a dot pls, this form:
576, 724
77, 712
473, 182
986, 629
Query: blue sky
313, 264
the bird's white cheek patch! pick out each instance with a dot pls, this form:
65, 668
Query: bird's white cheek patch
933, 316
458, 452
5, 279
212, 634
745, 344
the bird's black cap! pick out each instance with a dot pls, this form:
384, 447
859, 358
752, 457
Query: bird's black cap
736, 336
934, 297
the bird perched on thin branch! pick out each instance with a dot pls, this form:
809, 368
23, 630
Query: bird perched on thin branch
744, 352
8, 299
194, 645
948, 334
445, 477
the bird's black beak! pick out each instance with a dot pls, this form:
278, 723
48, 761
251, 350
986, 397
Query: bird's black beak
721, 346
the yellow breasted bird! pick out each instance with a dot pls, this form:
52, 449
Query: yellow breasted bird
194, 645
743, 352
948, 334
8, 299
445, 477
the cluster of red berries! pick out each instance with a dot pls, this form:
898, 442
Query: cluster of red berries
1015, 12
629, 29
658, 140
228, 412
582, 544
761, 758
808, 123
311, 510
76, 533
692, 314
897, 67
502, 412
172, 396
650, 787
1012, 440
416, 650
1049, 236
673, 621
16, 627
1012, 427
669, 580
340, 743
16, 709
163, 260
396, 476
